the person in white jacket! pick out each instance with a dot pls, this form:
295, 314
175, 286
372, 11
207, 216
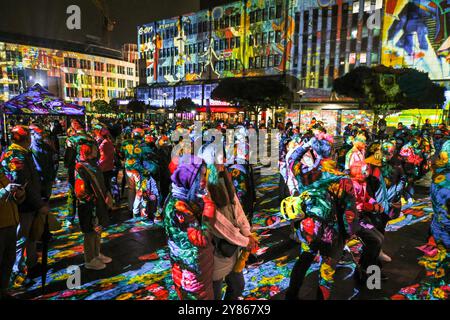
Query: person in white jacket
230, 228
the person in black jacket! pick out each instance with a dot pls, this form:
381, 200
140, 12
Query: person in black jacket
19, 168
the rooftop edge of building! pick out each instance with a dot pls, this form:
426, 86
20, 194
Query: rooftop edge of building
65, 45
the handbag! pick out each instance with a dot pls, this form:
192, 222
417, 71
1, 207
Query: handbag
107, 198
225, 248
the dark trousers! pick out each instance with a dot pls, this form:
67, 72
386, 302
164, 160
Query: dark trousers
8, 239
235, 286
72, 197
108, 177
372, 241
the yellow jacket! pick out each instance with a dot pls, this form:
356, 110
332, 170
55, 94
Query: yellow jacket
9, 214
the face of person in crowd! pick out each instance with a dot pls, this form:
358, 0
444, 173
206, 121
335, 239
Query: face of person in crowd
361, 146
359, 172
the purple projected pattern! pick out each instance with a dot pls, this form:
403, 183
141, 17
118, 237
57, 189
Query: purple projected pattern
38, 101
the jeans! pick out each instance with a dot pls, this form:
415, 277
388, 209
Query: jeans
8, 240
235, 286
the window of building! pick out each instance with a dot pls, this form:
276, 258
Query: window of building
277, 36
257, 62
252, 17
250, 63
263, 61
111, 68
279, 11
271, 13
70, 62
270, 61
111, 82
84, 64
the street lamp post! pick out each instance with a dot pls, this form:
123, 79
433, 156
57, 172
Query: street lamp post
301, 94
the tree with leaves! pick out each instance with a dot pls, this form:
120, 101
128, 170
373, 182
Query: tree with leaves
102, 107
252, 95
385, 89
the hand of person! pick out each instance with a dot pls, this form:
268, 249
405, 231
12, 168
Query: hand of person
19, 194
45, 210
378, 208
209, 208
12, 187
252, 243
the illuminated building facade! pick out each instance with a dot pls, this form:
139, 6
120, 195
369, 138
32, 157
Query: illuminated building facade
76, 72
306, 43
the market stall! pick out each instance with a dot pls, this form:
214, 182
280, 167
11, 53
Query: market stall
37, 101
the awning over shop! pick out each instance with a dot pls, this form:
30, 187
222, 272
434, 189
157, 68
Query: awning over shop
221, 110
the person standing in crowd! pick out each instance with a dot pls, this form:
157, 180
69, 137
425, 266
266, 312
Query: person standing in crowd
369, 211
440, 197
94, 201
132, 151
324, 214
19, 168
10, 196
188, 214
107, 152
231, 231
357, 153
75, 136
43, 155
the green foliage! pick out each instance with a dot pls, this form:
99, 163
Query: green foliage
253, 95
384, 89
102, 107
136, 106
185, 105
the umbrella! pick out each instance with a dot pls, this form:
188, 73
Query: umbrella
39, 101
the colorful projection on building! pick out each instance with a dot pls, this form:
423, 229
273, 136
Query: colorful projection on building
416, 34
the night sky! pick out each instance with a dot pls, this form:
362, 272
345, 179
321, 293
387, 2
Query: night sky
47, 18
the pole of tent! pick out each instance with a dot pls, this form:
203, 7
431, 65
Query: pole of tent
5, 129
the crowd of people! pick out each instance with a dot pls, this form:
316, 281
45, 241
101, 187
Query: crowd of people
334, 195
331, 193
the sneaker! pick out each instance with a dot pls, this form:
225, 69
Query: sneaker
384, 257
104, 259
95, 264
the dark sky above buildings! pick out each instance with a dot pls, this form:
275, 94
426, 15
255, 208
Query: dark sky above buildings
47, 18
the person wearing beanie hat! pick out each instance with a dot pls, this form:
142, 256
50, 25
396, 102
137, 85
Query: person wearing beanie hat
93, 200
188, 212
19, 168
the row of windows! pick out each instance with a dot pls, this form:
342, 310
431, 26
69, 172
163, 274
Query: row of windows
261, 62
98, 66
266, 14
194, 67
98, 94
263, 38
194, 28
227, 22
227, 65
228, 43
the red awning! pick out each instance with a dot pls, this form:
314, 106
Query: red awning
221, 109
